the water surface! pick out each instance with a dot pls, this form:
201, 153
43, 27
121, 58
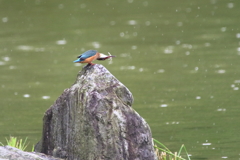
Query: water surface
179, 59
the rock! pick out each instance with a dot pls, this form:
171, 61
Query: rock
11, 153
93, 120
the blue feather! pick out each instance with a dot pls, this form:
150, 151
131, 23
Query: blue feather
85, 55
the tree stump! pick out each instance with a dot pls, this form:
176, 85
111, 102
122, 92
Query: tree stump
93, 120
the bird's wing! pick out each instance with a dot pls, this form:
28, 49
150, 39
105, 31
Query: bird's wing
86, 55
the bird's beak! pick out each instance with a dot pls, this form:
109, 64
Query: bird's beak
78, 60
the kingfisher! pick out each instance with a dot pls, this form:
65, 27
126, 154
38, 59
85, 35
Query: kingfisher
91, 55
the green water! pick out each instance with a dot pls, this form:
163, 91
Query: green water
180, 59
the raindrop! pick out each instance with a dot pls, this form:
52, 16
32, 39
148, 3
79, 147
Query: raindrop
5, 19
77, 64
96, 44
223, 29
188, 10
2, 63
83, 5
39, 49
189, 46
131, 67
163, 105
135, 34
25, 48
207, 44
122, 34
112, 23
178, 42
26, 95
61, 42
238, 35
213, 1
125, 55
132, 22
60, 6
161, 71
187, 53
237, 81
221, 71
145, 3
235, 88
206, 144
198, 97
134, 47
6, 58
230, 5
168, 50
127, 67
12, 67
179, 24
45, 97
147, 23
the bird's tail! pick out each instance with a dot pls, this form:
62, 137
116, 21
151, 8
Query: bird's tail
104, 58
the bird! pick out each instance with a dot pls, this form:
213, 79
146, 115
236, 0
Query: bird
91, 55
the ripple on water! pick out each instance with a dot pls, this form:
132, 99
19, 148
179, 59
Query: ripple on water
25, 48
45, 97
127, 67
221, 71
238, 35
26, 95
230, 5
6, 59
61, 42
172, 122
5, 19
198, 97
168, 50
163, 105
77, 64
96, 44
237, 81
134, 47
206, 144
132, 22
223, 29
30, 48
2, 63
161, 71
221, 109
125, 55
224, 157
234, 87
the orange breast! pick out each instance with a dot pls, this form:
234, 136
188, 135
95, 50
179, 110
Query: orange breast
90, 59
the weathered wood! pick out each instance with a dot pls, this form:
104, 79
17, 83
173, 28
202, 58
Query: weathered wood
93, 119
